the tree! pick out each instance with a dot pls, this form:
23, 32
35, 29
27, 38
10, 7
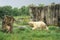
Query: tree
24, 10
5, 10
41, 5
15, 12
8, 10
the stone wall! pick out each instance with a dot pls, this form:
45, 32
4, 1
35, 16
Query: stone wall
49, 14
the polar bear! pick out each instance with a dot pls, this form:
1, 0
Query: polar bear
38, 24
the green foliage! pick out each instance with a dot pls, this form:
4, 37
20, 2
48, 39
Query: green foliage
24, 10
41, 5
22, 20
8, 10
29, 34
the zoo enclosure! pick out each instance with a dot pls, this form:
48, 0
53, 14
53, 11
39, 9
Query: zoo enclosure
49, 14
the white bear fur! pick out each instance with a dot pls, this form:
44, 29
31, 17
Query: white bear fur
38, 24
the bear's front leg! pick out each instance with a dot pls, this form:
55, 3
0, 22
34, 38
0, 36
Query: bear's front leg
35, 27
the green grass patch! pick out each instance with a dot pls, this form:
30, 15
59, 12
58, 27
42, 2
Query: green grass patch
28, 34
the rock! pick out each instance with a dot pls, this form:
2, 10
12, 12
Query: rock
22, 27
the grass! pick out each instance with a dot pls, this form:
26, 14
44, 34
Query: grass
28, 34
